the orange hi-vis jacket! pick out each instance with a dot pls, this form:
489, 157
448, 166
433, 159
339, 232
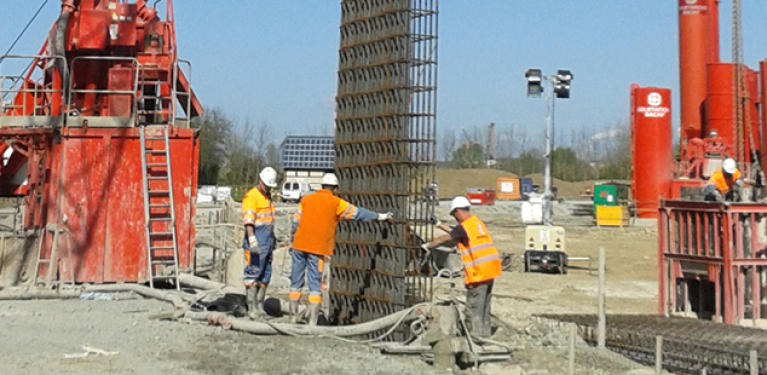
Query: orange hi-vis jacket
480, 258
317, 218
257, 210
724, 185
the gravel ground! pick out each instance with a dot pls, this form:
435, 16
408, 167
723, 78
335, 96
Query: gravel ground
37, 335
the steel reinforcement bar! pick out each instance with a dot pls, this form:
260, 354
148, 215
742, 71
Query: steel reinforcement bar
689, 345
385, 150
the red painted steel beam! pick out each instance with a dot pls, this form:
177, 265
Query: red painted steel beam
196, 109
763, 101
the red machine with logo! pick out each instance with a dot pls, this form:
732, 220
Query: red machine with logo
651, 153
97, 138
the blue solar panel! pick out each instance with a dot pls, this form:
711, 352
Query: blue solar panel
308, 152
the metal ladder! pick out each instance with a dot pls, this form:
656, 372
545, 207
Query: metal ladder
159, 215
53, 258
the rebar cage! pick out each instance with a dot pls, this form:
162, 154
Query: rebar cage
385, 151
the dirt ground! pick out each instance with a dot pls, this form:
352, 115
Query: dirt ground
453, 182
36, 336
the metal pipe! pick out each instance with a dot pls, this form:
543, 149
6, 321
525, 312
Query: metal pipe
547, 195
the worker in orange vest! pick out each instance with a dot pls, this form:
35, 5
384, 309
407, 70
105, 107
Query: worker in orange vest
312, 232
258, 241
481, 263
724, 182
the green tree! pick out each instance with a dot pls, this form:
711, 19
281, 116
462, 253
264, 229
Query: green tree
469, 155
565, 165
215, 128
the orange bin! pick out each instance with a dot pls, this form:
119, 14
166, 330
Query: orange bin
507, 189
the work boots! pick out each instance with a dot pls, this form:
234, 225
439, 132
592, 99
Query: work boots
293, 311
260, 297
250, 295
314, 312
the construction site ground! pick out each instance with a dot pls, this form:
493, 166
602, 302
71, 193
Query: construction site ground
39, 336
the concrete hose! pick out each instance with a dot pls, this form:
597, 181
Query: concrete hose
198, 282
26, 294
261, 328
176, 300
31, 293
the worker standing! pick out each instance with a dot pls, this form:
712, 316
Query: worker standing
312, 233
723, 183
258, 241
481, 263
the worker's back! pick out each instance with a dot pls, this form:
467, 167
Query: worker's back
318, 217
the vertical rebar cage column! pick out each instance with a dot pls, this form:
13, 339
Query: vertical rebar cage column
385, 151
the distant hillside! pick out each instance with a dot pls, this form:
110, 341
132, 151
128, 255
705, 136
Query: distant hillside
454, 182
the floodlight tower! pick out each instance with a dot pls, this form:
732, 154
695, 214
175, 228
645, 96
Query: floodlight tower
560, 88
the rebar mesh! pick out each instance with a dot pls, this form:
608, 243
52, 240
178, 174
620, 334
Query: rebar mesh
385, 151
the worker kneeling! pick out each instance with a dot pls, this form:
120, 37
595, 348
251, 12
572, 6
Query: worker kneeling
481, 263
258, 242
724, 183
312, 233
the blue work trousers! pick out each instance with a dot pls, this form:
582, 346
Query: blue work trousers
259, 268
305, 264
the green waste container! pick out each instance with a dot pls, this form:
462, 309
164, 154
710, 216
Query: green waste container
610, 195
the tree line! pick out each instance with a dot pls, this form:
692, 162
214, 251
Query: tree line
232, 152
585, 154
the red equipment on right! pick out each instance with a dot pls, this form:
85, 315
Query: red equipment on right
711, 256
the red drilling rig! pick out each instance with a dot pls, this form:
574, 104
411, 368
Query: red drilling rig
719, 115
712, 257
96, 140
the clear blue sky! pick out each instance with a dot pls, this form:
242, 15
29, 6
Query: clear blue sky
276, 60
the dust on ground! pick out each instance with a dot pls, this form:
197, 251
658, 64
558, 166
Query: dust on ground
36, 335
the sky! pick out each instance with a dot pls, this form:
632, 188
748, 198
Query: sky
276, 61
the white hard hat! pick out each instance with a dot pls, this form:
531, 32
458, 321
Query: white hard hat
269, 177
329, 179
729, 166
459, 202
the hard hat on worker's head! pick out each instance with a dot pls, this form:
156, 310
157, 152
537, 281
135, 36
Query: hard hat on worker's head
459, 202
729, 166
329, 179
269, 177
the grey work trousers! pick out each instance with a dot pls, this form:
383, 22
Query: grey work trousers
478, 300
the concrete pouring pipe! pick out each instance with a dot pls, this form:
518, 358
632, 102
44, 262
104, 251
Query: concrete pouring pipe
260, 328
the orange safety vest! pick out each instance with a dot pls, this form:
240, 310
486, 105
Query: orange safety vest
257, 209
317, 217
480, 258
723, 184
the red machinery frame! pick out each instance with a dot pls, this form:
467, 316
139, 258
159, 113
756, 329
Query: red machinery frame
715, 247
107, 68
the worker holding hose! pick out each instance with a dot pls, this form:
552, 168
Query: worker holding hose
481, 263
312, 233
258, 242
724, 183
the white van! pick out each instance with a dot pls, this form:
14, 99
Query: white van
293, 191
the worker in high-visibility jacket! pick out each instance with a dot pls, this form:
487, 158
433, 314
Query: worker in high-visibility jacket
480, 259
258, 241
724, 182
312, 233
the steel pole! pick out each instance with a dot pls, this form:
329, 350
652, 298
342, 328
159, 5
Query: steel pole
547, 169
